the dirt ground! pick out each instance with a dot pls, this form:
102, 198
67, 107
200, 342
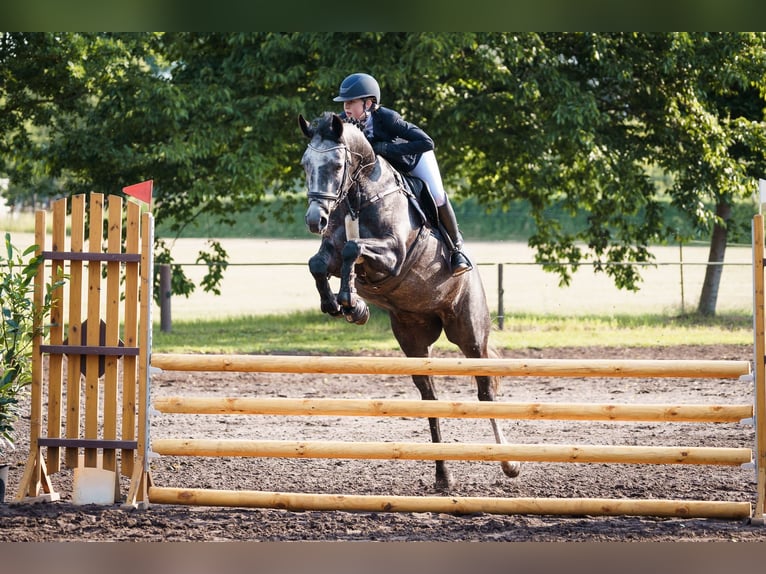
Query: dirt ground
64, 521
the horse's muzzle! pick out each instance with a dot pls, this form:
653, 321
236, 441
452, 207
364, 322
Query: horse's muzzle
316, 218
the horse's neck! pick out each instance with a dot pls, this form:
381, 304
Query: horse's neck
381, 182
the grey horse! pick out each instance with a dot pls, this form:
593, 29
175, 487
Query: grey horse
381, 245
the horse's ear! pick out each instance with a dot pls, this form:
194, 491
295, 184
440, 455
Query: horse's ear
337, 126
305, 128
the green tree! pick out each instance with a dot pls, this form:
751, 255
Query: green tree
577, 120
573, 120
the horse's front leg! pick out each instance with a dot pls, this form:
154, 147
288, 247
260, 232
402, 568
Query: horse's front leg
319, 265
354, 308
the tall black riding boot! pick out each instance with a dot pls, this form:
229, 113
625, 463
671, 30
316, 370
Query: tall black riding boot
458, 260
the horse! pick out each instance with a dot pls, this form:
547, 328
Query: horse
381, 245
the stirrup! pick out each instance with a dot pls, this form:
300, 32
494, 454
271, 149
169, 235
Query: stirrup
459, 263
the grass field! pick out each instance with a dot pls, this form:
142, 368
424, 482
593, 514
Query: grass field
537, 312
268, 276
271, 276
269, 300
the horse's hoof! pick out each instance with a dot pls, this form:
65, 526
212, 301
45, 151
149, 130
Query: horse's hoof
361, 313
511, 469
444, 483
357, 316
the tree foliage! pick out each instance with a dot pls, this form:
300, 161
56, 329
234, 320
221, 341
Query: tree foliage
573, 120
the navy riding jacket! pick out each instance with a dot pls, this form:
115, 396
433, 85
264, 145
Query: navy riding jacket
404, 141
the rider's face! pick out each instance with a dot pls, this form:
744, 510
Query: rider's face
354, 108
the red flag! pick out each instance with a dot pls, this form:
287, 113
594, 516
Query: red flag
141, 191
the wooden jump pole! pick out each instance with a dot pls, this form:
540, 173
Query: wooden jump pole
452, 451
451, 505
714, 369
454, 409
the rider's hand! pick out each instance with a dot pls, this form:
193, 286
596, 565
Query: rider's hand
380, 148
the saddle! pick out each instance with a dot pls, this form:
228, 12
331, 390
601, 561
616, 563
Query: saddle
421, 199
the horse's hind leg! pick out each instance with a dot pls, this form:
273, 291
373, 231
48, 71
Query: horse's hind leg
487, 386
415, 339
425, 385
472, 340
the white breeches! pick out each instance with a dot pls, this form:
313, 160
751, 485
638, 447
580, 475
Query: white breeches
428, 170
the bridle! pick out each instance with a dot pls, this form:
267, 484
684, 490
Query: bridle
352, 178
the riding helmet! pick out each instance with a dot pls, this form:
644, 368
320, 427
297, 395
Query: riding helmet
357, 86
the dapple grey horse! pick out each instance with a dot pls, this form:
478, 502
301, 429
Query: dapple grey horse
380, 245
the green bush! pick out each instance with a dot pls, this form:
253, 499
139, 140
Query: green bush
19, 323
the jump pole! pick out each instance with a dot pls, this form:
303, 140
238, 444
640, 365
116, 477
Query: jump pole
450, 505
454, 409
453, 451
351, 365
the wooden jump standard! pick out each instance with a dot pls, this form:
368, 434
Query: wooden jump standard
759, 368
92, 404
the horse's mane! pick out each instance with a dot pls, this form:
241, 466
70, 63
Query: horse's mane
352, 129
322, 126
351, 135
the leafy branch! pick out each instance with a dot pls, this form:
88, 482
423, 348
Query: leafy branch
20, 322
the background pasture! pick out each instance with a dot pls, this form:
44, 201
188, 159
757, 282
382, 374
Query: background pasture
273, 286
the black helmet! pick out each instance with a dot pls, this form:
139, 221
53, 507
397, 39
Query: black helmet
357, 86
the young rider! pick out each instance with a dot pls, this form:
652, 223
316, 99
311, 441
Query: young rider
407, 147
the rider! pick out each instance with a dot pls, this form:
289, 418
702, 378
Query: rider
407, 147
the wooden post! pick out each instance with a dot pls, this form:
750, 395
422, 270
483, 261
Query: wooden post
759, 375
131, 314
165, 293
55, 362
112, 333
76, 242
500, 310
93, 330
139, 488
